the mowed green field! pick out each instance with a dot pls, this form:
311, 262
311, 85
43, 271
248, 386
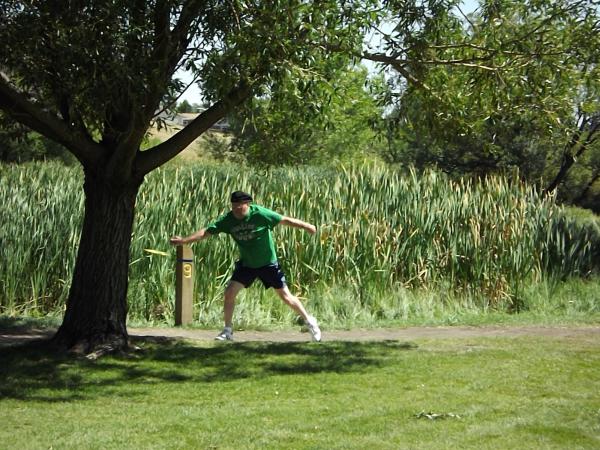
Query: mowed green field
482, 392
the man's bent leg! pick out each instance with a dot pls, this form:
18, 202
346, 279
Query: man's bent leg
231, 292
294, 302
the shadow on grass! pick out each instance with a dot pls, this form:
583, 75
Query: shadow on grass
27, 325
33, 372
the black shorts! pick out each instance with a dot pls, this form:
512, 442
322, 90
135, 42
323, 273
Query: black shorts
271, 275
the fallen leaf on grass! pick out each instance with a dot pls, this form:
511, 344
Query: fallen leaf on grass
435, 416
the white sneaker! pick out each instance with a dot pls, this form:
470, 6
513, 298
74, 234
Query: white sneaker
225, 335
314, 329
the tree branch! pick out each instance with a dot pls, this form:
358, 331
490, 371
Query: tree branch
18, 106
473, 61
569, 154
398, 66
466, 17
181, 36
156, 156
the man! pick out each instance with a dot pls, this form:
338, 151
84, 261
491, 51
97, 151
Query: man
251, 227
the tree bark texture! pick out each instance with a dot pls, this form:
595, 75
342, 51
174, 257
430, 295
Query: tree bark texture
96, 313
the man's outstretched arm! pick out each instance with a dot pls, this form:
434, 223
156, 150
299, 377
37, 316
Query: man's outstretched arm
297, 223
195, 237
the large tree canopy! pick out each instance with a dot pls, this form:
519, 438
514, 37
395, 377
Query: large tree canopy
512, 83
92, 76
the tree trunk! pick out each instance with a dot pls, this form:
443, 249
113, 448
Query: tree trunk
588, 127
567, 162
580, 199
95, 318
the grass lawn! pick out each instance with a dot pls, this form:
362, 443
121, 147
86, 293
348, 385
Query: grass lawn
501, 393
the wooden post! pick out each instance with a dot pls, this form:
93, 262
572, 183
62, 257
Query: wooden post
184, 292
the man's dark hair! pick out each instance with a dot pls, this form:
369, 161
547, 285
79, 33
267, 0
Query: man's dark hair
240, 196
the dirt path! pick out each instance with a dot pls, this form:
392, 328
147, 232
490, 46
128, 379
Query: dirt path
14, 336
381, 334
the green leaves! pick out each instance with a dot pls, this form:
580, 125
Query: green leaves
106, 68
503, 87
310, 118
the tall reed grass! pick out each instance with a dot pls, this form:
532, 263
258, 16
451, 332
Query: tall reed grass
381, 234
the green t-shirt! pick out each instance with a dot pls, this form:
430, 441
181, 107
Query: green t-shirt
252, 234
